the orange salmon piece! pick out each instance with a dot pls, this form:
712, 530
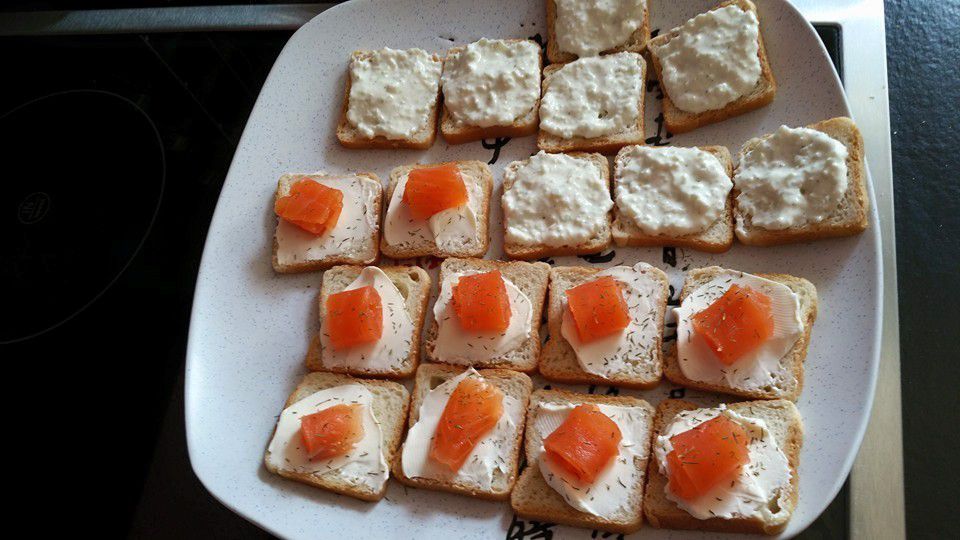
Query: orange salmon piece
354, 317
598, 308
433, 189
474, 408
584, 443
481, 302
706, 456
311, 206
332, 431
736, 323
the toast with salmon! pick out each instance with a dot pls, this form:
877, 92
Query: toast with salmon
511, 383
413, 284
531, 279
390, 403
478, 181
533, 498
558, 360
792, 361
354, 241
782, 419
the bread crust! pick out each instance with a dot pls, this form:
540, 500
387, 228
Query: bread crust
845, 131
636, 43
626, 233
501, 378
538, 275
663, 513
795, 356
558, 361
416, 305
534, 499
607, 144
523, 126
350, 138
679, 121
392, 431
484, 178
327, 262
530, 253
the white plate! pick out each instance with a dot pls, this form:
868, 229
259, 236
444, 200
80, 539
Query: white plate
250, 327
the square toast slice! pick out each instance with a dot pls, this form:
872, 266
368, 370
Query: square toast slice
680, 121
716, 239
792, 361
413, 283
511, 383
531, 279
359, 249
479, 180
558, 361
534, 499
851, 217
390, 403
786, 426
637, 41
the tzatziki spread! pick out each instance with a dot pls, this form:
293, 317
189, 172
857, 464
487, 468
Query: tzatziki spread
492, 82
593, 97
588, 27
794, 177
554, 200
392, 93
670, 190
712, 60
765, 478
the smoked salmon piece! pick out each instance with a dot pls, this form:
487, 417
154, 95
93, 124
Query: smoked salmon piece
481, 302
332, 431
705, 456
433, 189
354, 317
736, 323
584, 443
311, 206
474, 408
598, 308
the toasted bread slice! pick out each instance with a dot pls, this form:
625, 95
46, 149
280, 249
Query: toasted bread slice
716, 239
680, 121
349, 137
357, 249
413, 283
637, 41
606, 144
479, 181
534, 499
390, 403
455, 132
531, 279
792, 361
782, 419
850, 218
511, 383
596, 244
558, 361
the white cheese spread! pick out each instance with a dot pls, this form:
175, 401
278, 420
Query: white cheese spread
588, 27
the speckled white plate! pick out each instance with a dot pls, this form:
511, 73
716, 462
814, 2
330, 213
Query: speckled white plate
250, 327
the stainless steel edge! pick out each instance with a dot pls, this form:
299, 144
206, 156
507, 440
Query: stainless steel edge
164, 19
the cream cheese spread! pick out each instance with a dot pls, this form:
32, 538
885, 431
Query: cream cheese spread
492, 82
554, 200
588, 27
393, 92
593, 97
794, 177
764, 479
712, 60
671, 190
